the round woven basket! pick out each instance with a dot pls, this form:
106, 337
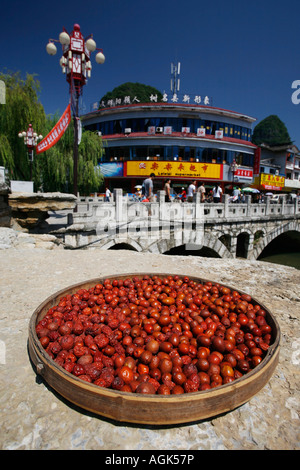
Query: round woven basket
141, 408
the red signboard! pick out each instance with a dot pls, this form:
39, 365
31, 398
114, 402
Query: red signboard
244, 173
256, 166
270, 187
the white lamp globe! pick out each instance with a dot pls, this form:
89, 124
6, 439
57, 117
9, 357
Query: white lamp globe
100, 58
90, 45
64, 38
51, 48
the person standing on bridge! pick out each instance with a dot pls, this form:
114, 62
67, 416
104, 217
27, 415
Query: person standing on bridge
191, 191
148, 185
201, 190
167, 189
236, 195
182, 195
217, 193
107, 195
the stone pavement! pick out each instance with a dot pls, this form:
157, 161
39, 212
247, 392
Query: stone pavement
34, 417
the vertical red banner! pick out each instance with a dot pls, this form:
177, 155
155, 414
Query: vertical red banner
256, 166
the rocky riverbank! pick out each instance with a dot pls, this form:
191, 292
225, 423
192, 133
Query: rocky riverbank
34, 417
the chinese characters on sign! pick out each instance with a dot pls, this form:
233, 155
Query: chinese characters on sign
257, 156
271, 182
219, 134
154, 99
174, 169
243, 173
167, 130
201, 132
56, 133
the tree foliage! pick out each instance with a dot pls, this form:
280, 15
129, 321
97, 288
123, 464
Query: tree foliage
53, 169
271, 131
22, 107
134, 90
89, 175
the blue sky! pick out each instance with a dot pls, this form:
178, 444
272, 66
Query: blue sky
245, 55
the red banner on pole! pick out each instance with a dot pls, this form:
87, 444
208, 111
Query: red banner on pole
256, 167
57, 132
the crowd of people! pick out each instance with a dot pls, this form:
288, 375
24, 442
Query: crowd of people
213, 195
145, 192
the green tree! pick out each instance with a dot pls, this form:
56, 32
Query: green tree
134, 90
90, 151
21, 109
53, 169
6, 153
271, 131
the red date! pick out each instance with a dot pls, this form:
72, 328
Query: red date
156, 335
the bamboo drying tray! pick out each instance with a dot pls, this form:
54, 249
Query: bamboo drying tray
148, 409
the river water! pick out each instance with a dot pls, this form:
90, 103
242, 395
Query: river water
287, 259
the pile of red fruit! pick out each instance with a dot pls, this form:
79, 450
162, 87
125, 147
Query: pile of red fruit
156, 334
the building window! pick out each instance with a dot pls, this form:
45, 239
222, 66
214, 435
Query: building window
118, 126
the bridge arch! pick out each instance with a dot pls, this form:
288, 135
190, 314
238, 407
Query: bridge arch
116, 245
242, 245
184, 250
226, 239
292, 226
210, 243
216, 245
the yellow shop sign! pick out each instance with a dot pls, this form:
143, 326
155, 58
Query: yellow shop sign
271, 181
175, 169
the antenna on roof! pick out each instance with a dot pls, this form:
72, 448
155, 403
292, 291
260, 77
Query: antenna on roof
175, 80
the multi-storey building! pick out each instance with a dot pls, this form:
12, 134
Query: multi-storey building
179, 141
292, 169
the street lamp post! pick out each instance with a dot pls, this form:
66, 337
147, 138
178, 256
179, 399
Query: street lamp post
30, 140
76, 64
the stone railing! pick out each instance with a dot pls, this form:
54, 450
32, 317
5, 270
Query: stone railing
91, 210
228, 210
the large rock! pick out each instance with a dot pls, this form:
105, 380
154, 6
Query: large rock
30, 210
10, 238
5, 210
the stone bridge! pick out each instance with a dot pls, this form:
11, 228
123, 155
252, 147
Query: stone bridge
226, 230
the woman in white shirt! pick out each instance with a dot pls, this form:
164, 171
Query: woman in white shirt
217, 193
107, 195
